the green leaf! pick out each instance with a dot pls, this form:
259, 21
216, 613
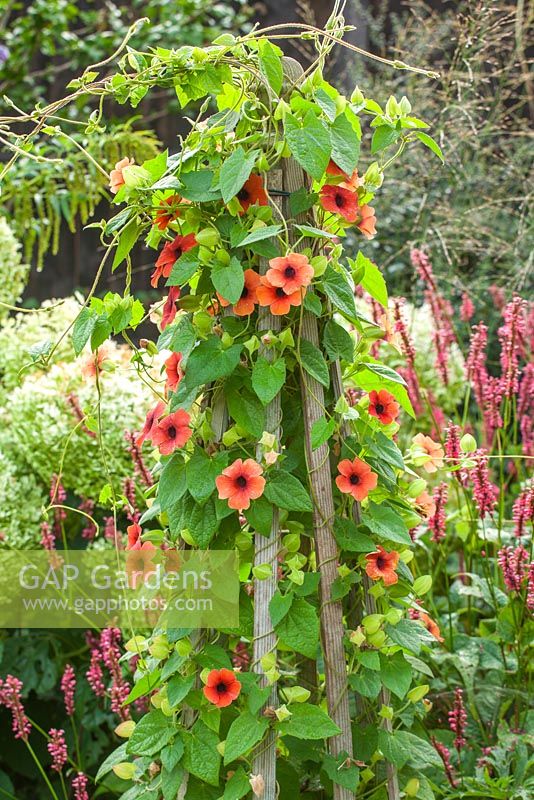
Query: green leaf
201, 471
83, 328
402, 747
115, 757
386, 373
210, 361
385, 523
245, 731
349, 537
314, 233
301, 201
127, 239
171, 780
178, 688
345, 144
101, 331
373, 281
392, 749
202, 523
260, 515
366, 682
279, 606
299, 628
246, 410
338, 342
309, 143
340, 772
383, 137
313, 303
201, 756
179, 337
385, 449
409, 635
235, 171
308, 722
197, 186
322, 430
144, 685
396, 674
268, 378
237, 787
172, 483
271, 64
151, 734
258, 234
184, 268
339, 290
171, 755
429, 142
313, 362
228, 279
286, 491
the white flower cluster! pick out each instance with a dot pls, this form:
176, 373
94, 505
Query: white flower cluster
13, 273
40, 426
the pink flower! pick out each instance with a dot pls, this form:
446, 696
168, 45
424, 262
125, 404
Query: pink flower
445, 756
453, 452
484, 492
512, 338
437, 523
523, 511
10, 698
172, 432
467, 309
68, 686
57, 747
458, 719
151, 423
79, 785
116, 178
513, 565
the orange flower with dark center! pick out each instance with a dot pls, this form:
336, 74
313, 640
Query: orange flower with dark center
169, 255
172, 432
174, 372
426, 504
240, 483
350, 183
276, 297
291, 272
431, 626
252, 193
367, 221
134, 536
356, 478
169, 307
341, 201
222, 687
116, 178
383, 406
140, 563
249, 296
168, 211
383, 565
150, 422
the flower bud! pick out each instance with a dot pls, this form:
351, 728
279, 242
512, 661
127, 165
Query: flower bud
412, 787
417, 693
422, 585
125, 729
468, 443
257, 784
282, 713
208, 237
124, 770
416, 488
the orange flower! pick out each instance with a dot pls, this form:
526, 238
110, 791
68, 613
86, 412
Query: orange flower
174, 372
383, 565
169, 255
431, 626
169, 307
252, 193
249, 296
240, 483
140, 563
172, 432
276, 298
92, 364
291, 272
383, 406
367, 221
151, 422
349, 183
432, 449
356, 478
134, 536
426, 504
222, 687
167, 212
341, 201
116, 178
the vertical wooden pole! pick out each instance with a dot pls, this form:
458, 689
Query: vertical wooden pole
320, 479
266, 552
369, 602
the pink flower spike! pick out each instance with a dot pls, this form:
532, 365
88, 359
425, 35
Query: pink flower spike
68, 686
